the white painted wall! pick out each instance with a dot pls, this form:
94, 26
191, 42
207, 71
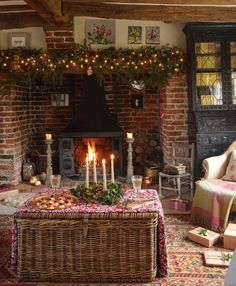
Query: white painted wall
36, 37
170, 33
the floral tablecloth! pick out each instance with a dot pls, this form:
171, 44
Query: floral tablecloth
93, 207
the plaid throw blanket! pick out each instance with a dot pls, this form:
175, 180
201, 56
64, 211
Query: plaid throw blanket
212, 203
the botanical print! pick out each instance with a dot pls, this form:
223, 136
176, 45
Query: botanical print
152, 35
100, 32
134, 34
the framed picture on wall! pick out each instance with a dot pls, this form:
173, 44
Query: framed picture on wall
134, 34
16, 40
153, 35
100, 32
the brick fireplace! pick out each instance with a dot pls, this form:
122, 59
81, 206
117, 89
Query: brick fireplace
27, 114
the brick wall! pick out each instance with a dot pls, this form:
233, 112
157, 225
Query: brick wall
176, 121
59, 37
14, 133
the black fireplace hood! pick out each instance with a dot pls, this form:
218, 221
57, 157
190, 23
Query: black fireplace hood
93, 117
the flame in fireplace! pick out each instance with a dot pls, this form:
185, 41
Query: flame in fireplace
91, 150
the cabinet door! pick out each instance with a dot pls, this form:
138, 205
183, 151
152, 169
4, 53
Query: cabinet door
208, 75
232, 97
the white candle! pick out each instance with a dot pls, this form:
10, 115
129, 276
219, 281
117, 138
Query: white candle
104, 174
112, 169
129, 135
48, 136
95, 169
87, 172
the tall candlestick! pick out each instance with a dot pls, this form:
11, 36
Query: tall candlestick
112, 169
49, 172
87, 172
104, 174
130, 171
95, 169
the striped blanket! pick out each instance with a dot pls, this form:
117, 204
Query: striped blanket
212, 203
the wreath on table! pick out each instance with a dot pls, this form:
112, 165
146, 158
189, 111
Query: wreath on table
95, 192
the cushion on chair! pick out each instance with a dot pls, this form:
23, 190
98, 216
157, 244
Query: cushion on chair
230, 174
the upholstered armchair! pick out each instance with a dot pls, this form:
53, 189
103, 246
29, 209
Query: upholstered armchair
215, 195
215, 167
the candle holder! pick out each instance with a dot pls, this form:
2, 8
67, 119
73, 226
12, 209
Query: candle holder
48, 142
130, 170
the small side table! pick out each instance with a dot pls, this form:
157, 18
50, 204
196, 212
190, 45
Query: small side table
230, 278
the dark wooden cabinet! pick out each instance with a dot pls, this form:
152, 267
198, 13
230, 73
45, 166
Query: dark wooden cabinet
211, 50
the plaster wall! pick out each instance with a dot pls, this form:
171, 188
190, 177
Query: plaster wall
36, 37
170, 33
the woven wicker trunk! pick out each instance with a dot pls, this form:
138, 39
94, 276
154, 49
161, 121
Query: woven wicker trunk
73, 247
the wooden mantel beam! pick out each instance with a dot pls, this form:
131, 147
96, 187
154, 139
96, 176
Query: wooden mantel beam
150, 12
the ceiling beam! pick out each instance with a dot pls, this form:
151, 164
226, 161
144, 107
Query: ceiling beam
15, 8
165, 2
50, 11
10, 21
149, 12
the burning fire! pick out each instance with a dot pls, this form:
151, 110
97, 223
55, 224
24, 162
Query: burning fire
91, 150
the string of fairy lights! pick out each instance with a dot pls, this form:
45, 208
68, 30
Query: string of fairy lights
152, 65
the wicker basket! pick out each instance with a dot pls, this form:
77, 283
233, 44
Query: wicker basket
72, 247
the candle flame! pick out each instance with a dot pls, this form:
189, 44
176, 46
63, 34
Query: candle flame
112, 156
103, 161
91, 150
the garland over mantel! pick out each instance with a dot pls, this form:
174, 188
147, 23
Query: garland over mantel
152, 65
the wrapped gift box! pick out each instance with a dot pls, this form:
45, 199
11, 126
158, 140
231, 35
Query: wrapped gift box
230, 236
217, 258
210, 239
178, 204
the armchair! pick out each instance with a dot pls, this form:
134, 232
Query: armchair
215, 195
215, 167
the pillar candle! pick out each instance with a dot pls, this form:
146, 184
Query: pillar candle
112, 169
129, 135
87, 172
48, 136
104, 174
95, 169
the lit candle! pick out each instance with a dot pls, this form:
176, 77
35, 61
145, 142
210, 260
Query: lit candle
94, 169
48, 136
87, 172
112, 169
129, 135
104, 174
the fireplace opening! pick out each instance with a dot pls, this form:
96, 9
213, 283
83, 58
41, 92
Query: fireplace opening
73, 153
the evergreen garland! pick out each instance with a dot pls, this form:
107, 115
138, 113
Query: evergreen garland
152, 65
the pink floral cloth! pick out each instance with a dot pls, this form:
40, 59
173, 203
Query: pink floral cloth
93, 207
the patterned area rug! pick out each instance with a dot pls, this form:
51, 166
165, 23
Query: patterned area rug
186, 266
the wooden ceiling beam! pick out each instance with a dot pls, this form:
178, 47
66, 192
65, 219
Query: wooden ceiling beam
15, 8
166, 2
149, 12
10, 21
50, 11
